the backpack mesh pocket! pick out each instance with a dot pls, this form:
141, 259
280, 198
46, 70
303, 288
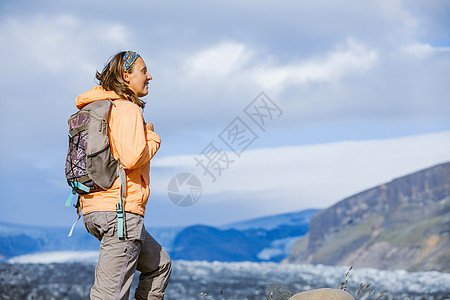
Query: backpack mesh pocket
76, 161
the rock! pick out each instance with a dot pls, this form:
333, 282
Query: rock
323, 294
277, 291
402, 224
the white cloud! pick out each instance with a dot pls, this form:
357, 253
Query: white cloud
423, 50
311, 176
219, 60
396, 10
232, 63
57, 43
350, 58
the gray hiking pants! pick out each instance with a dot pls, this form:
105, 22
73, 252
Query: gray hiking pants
120, 258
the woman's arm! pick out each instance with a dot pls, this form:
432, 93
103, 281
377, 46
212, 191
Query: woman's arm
132, 140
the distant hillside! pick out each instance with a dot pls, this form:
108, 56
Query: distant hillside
262, 239
403, 224
273, 221
18, 239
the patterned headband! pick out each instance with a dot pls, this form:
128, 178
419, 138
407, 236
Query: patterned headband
128, 59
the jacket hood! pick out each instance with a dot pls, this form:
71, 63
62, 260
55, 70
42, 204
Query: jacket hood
97, 93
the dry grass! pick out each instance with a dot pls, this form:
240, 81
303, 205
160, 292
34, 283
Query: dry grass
363, 288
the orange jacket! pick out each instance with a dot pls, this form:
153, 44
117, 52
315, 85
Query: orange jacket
133, 144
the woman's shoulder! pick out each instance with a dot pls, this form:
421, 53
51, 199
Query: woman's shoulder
121, 104
125, 110
124, 102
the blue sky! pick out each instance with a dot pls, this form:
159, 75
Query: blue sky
361, 87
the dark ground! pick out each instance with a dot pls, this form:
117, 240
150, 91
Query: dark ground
72, 281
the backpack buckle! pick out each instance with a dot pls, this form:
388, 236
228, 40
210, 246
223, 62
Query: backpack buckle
119, 211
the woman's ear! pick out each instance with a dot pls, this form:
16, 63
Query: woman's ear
126, 76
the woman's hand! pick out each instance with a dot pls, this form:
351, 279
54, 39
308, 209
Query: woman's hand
149, 126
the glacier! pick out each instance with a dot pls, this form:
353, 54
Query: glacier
55, 257
280, 247
70, 275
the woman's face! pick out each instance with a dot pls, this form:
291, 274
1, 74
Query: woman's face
138, 79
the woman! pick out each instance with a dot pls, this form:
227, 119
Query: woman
124, 80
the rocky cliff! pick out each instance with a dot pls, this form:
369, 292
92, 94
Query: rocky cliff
403, 224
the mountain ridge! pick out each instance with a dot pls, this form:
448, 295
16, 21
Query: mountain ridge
278, 232
260, 239
402, 224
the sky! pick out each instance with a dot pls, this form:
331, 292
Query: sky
266, 107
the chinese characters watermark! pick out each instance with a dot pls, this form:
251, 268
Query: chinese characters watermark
214, 160
238, 136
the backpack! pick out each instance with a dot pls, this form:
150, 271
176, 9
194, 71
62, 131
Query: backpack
90, 165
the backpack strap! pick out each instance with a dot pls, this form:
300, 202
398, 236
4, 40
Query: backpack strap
79, 216
79, 185
70, 198
76, 130
73, 226
120, 205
